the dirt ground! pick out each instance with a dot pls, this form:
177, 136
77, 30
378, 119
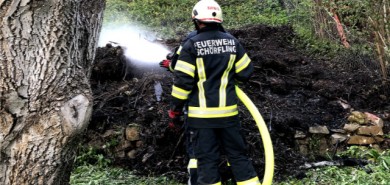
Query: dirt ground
292, 88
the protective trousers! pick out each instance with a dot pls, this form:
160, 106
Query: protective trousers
193, 163
192, 172
207, 143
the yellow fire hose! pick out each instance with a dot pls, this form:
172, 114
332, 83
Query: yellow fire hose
265, 136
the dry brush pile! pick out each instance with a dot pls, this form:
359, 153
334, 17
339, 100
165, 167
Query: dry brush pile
292, 90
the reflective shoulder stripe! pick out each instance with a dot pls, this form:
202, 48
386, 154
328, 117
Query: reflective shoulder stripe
185, 67
252, 181
225, 81
193, 163
202, 79
212, 112
242, 63
180, 93
218, 183
179, 50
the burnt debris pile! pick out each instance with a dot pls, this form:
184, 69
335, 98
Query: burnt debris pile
292, 89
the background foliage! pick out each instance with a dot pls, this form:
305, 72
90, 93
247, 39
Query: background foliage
170, 18
324, 26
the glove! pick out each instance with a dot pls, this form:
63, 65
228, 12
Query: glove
165, 64
175, 120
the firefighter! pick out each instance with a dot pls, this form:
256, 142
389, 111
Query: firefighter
169, 63
205, 77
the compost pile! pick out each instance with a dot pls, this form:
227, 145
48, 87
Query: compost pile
292, 89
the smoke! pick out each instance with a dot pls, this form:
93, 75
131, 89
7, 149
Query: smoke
140, 46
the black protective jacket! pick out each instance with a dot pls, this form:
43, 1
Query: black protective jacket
205, 76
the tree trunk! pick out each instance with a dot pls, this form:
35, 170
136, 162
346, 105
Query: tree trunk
46, 54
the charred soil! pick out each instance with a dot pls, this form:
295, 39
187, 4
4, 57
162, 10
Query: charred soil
292, 89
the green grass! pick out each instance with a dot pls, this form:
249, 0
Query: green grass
93, 168
169, 18
375, 173
94, 175
368, 175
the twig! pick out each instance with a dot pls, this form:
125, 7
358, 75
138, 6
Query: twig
177, 145
108, 97
142, 90
335, 149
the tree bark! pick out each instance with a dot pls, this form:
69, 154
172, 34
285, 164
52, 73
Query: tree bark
46, 53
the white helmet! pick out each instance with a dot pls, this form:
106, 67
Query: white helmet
207, 11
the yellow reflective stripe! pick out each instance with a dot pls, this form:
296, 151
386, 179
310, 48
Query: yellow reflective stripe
180, 93
228, 164
212, 112
218, 183
242, 63
193, 163
224, 82
185, 67
253, 181
202, 79
179, 50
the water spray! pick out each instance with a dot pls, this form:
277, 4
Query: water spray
140, 46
